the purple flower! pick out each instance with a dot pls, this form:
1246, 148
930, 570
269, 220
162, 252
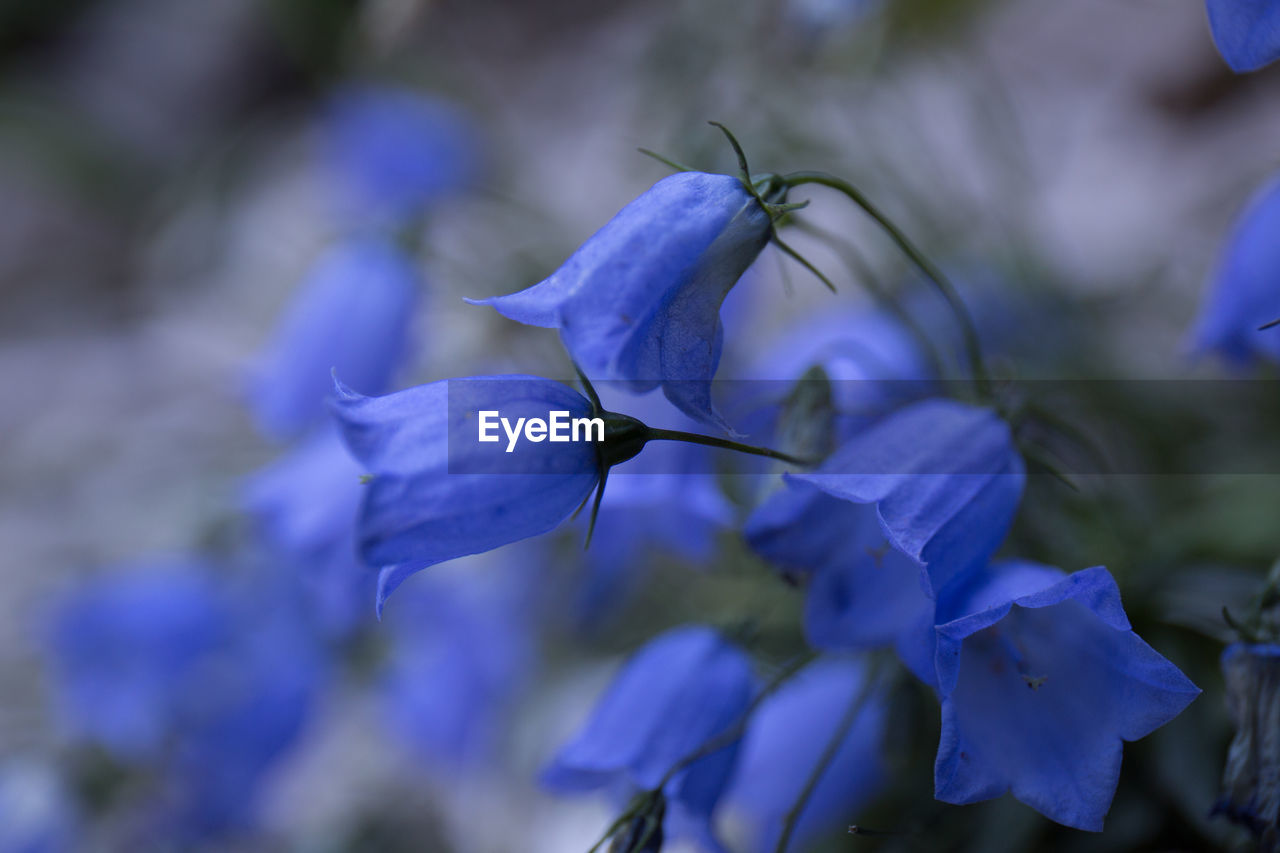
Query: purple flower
437, 493
640, 300
863, 593
351, 315
945, 478
682, 689
395, 152
1042, 680
1247, 32
1245, 293
786, 738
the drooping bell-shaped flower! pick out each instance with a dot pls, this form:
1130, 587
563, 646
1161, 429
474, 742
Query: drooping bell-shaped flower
640, 300
945, 478
437, 492
680, 691
305, 505
460, 651
863, 593
1251, 781
1042, 679
121, 646
394, 152
1247, 32
350, 315
784, 742
1245, 292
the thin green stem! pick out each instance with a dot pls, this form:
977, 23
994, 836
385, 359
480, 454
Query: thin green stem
666, 161
828, 755
1271, 325
725, 444
731, 734
972, 344
803, 261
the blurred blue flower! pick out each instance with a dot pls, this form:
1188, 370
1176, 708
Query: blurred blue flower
126, 647
200, 683
863, 594
679, 691
640, 300
786, 738
37, 814
1246, 290
352, 315
395, 152
1247, 32
460, 651
437, 493
305, 504
945, 477
1041, 680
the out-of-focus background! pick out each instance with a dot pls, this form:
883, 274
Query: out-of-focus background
170, 171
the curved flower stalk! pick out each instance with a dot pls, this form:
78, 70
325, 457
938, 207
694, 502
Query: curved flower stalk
863, 593
640, 300
1042, 680
945, 478
681, 690
1245, 293
394, 152
350, 314
436, 492
1247, 32
784, 744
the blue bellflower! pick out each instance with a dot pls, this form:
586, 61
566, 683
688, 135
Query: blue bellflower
1245, 293
786, 738
123, 647
945, 478
1247, 32
203, 685
351, 314
437, 493
1042, 680
679, 691
640, 300
460, 650
863, 593
395, 152
1250, 793
305, 505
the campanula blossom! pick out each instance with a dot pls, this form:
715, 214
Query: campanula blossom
179, 673
682, 689
351, 315
305, 504
437, 493
945, 478
640, 300
1245, 292
1250, 793
786, 738
460, 650
37, 811
1042, 679
124, 645
395, 152
863, 593
1247, 32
